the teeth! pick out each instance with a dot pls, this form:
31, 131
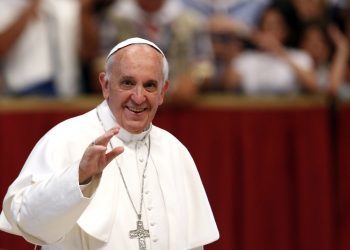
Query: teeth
136, 110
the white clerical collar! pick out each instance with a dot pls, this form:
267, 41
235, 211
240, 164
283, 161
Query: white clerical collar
108, 121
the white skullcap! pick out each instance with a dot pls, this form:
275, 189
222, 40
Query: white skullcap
134, 40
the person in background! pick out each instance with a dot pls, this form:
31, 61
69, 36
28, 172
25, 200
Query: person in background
311, 9
345, 91
243, 11
227, 37
97, 35
329, 49
276, 66
179, 32
109, 179
38, 47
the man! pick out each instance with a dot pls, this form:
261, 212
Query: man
133, 187
39, 39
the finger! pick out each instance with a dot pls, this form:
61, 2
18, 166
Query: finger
114, 153
93, 153
89, 164
106, 137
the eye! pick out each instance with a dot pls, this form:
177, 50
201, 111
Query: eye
151, 86
126, 84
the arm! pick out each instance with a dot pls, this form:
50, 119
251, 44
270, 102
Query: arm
306, 77
10, 35
338, 66
201, 225
45, 201
89, 31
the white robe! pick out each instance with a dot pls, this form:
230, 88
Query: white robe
46, 205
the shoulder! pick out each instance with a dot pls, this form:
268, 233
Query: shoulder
164, 135
166, 139
80, 128
168, 150
76, 123
300, 57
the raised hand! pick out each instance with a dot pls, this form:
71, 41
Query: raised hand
95, 158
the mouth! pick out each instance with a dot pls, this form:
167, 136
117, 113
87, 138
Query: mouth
136, 110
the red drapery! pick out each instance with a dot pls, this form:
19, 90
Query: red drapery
343, 178
272, 175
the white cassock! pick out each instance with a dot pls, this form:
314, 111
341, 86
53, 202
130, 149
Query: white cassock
46, 205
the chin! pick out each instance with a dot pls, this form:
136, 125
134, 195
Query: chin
135, 129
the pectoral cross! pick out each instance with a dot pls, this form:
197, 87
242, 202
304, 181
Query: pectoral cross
140, 233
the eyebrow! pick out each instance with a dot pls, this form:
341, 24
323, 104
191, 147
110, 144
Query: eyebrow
128, 78
132, 79
152, 81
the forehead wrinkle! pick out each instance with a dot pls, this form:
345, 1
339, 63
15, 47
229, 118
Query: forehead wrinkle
135, 48
133, 52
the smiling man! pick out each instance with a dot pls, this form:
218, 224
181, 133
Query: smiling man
109, 179
135, 87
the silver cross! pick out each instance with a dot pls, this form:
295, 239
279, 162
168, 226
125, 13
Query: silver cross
140, 233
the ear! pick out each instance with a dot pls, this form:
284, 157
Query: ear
163, 91
102, 78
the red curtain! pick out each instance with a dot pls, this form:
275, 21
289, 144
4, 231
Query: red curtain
343, 178
271, 175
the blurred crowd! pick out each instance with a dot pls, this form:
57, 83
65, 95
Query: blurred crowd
244, 47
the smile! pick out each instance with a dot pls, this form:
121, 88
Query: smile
136, 110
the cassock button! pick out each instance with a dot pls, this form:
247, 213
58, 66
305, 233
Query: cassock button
147, 192
149, 208
155, 240
153, 224
141, 159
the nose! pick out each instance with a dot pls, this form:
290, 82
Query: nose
138, 95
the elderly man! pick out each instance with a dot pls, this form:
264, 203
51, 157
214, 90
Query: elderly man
109, 179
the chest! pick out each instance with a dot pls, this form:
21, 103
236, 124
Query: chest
138, 192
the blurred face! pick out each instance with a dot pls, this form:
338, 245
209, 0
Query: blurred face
225, 45
150, 5
315, 44
309, 9
273, 23
133, 86
225, 42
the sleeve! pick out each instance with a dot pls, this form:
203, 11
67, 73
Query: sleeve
302, 59
202, 227
45, 201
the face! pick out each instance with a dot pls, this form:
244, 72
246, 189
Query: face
315, 44
309, 9
150, 6
134, 86
225, 42
273, 23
